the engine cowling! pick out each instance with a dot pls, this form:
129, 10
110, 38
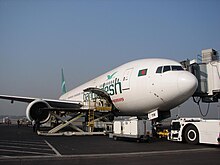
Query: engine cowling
35, 112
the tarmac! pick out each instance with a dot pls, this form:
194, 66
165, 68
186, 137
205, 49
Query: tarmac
21, 146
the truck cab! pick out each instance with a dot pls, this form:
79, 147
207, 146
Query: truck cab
195, 130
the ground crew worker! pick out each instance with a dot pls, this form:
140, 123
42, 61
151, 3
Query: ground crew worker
18, 122
34, 125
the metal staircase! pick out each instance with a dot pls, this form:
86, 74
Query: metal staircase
91, 117
94, 104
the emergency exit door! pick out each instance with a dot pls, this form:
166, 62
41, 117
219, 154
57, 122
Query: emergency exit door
126, 79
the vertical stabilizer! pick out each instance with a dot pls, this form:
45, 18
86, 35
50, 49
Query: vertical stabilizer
63, 85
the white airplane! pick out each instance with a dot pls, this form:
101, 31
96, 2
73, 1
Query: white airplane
138, 88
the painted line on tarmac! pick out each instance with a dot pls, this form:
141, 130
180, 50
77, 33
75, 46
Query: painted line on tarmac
144, 153
54, 149
30, 148
109, 155
24, 144
26, 148
24, 152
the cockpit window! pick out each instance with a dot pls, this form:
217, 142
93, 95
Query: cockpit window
166, 68
174, 68
159, 69
162, 69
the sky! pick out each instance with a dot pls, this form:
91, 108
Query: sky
90, 37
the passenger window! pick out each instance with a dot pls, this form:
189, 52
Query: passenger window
175, 68
159, 69
166, 68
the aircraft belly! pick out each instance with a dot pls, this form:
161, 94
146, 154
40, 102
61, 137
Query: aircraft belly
138, 105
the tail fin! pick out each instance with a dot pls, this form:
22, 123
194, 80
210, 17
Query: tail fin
63, 85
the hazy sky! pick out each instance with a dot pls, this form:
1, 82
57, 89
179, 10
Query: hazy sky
90, 37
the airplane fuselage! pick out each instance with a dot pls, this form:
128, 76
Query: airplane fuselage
140, 86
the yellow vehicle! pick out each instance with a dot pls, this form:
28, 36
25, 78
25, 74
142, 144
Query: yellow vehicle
163, 134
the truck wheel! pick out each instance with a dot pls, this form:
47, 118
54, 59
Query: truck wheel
191, 135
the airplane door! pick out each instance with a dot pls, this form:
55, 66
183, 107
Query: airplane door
126, 79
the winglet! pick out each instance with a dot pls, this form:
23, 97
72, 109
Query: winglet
63, 85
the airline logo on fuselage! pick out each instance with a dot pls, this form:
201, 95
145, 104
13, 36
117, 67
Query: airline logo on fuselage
109, 77
112, 87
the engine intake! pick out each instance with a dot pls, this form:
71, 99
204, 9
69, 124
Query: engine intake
35, 111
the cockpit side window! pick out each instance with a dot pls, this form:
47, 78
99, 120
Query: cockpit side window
175, 68
162, 69
166, 68
159, 69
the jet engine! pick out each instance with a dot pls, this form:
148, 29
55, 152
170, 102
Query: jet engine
35, 111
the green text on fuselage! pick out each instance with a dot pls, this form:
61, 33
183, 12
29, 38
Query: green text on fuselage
112, 88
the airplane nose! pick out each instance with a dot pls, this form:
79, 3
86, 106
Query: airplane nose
187, 83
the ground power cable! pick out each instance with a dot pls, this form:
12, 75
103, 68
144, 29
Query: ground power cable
200, 110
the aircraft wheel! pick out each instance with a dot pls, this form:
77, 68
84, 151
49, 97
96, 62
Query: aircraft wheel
115, 138
191, 135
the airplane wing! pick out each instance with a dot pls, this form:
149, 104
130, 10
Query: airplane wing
53, 103
17, 98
